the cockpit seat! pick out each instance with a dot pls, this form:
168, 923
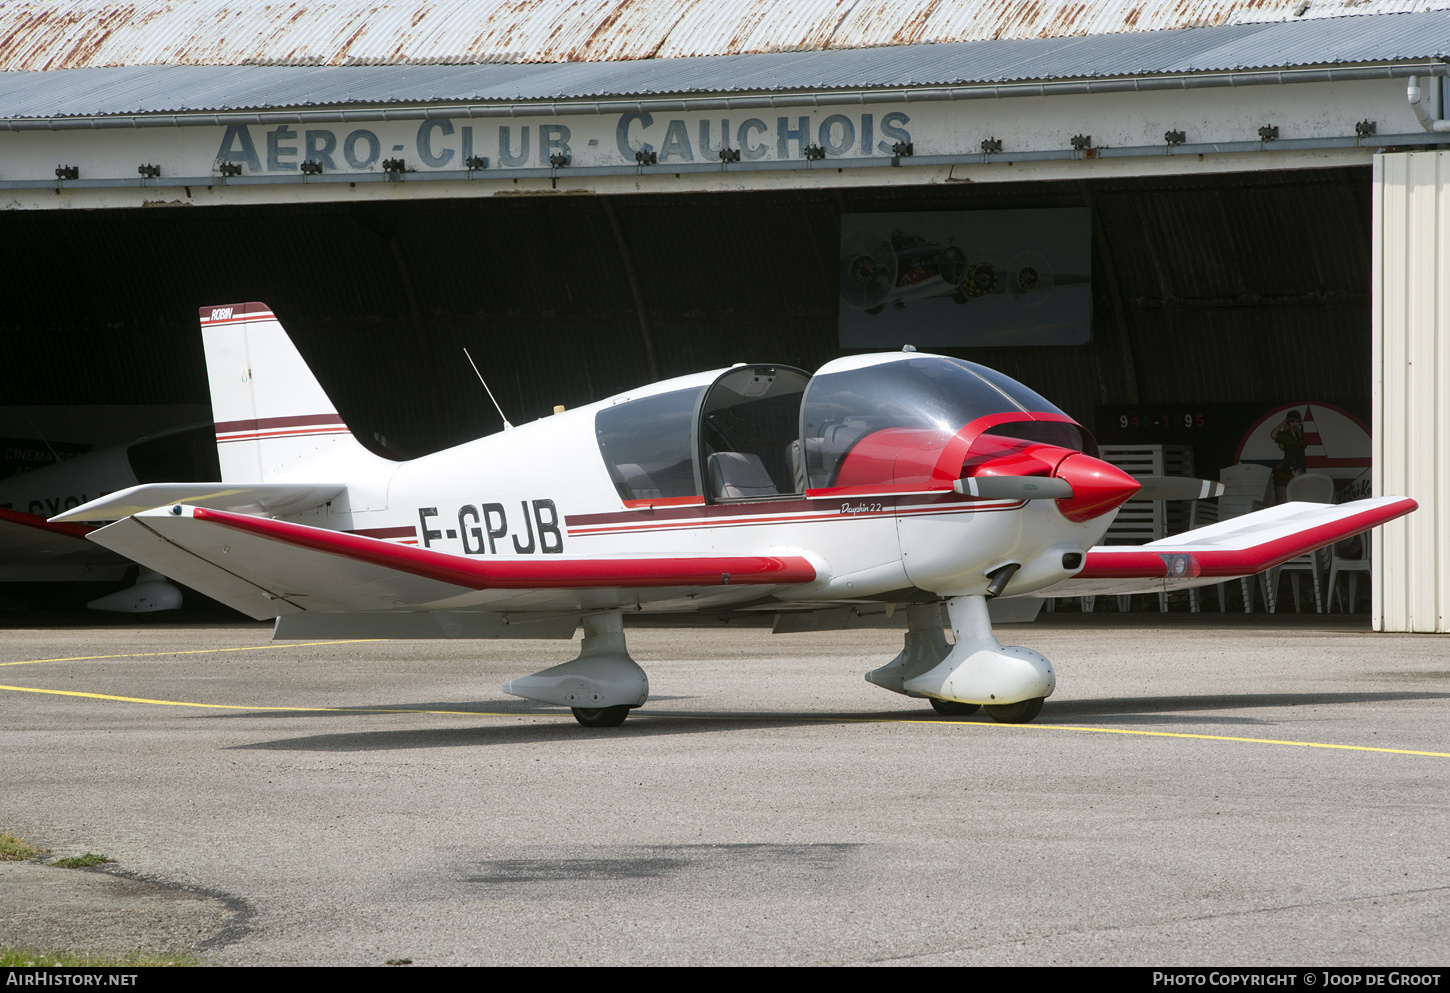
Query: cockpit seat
739, 474
638, 482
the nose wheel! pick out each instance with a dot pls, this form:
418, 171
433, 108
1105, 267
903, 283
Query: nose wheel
950, 708
1003, 713
600, 717
1021, 712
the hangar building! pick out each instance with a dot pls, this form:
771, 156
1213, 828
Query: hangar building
592, 193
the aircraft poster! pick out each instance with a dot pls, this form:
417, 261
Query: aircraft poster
966, 278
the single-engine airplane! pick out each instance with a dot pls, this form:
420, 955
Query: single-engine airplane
903, 478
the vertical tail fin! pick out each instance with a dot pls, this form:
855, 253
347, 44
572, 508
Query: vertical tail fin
274, 422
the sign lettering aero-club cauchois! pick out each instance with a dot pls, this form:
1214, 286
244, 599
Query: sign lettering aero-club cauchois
899, 477
440, 143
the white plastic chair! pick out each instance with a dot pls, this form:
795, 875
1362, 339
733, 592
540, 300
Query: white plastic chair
1203, 513
1245, 489
1309, 487
1352, 567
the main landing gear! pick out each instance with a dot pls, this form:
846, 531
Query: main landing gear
601, 686
1009, 682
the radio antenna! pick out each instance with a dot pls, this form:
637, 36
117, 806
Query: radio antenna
506, 424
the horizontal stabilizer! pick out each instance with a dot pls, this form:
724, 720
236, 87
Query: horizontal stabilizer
1240, 546
135, 540
249, 498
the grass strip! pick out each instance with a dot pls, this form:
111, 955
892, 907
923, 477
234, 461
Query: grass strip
13, 849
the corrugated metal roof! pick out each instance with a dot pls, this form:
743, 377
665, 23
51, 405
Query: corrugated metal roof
1384, 39
69, 34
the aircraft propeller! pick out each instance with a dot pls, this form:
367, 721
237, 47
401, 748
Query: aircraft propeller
1177, 488
1014, 487
1050, 488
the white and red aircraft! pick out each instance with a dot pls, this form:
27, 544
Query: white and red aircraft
901, 478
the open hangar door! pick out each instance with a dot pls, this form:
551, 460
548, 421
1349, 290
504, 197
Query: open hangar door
1210, 294
1234, 288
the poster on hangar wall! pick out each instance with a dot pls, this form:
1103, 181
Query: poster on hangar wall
966, 278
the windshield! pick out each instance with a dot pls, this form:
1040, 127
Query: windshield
920, 402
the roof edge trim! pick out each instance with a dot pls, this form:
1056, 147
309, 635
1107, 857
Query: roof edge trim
819, 98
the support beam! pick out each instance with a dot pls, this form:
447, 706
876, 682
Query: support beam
627, 259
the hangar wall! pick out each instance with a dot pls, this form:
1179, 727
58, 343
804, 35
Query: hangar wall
1412, 388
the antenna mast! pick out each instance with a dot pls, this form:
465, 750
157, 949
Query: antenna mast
506, 424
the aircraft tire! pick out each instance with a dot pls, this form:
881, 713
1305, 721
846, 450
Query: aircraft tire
1021, 712
950, 708
600, 717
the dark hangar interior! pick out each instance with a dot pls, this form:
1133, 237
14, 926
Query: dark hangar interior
1216, 289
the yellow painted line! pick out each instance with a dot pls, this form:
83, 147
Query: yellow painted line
729, 717
1179, 734
195, 651
233, 706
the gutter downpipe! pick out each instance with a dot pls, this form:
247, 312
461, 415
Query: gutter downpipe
1412, 93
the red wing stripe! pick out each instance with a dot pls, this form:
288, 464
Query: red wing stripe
1148, 563
41, 524
513, 574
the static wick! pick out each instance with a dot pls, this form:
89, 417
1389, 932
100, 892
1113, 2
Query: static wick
506, 424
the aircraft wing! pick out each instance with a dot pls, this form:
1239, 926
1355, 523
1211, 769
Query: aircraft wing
33, 549
267, 568
265, 498
1241, 546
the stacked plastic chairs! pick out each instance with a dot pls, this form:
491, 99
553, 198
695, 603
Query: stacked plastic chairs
1245, 490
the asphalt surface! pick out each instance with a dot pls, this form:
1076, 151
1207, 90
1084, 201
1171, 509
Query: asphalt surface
766, 807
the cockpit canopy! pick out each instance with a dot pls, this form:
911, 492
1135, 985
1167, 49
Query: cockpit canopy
855, 421
759, 432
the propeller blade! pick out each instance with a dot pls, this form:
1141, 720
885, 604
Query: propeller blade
1177, 488
1014, 487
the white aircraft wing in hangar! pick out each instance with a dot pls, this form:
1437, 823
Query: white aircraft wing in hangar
34, 549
